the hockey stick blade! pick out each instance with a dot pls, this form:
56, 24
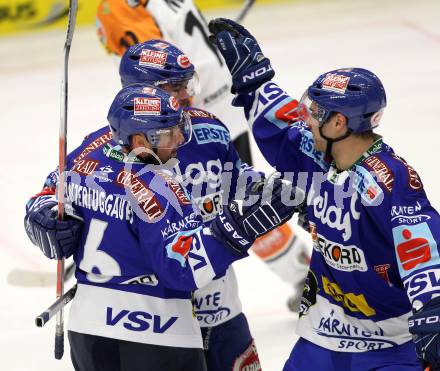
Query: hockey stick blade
244, 10
27, 278
59, 304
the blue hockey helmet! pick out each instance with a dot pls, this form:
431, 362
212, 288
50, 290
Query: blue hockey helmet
355, 92
148, 110
158, 62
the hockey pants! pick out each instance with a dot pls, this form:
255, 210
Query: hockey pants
229, 346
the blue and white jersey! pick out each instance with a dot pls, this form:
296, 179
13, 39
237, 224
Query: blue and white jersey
135, 278
374, 231
209, 167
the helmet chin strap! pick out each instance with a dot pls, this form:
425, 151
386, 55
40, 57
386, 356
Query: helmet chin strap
330, 141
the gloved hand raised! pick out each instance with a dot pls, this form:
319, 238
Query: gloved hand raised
425, 327
248, 66
56, 238
241, 222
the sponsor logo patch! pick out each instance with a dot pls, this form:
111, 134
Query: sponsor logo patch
209, 206
333, 216
139, 321
206, 133
351, 336
367, 187
408, 214
212, 316
152, 58
174, 104
414, 181
187, 222
307, 147
382, 271
422, 283
335, 82
147, 106
382, 171
209, 309
198, 113
343, 258
98, 142
291, 112
179, 249
415, 247
183, 61
143, 195
353, 302
85, 167
176, 188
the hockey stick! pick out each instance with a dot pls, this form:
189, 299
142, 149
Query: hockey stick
244, 10
57, 306
28, 278
59, 332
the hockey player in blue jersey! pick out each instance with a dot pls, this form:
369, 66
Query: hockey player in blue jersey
210, 169
161, 64
133, 310
371, 297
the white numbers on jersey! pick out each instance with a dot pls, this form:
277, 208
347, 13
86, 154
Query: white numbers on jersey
95, 259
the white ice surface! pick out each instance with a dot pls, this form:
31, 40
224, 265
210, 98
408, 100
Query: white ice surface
399, 40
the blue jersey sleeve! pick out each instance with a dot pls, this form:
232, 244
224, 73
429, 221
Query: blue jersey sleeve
285, 142
185, 255
416, 235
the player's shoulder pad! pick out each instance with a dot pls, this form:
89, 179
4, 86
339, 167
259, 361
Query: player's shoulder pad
104, 131
92, 142
207, 128
200, 114
392, 172
154, 190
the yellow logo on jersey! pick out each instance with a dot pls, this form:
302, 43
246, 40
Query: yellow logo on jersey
354, 303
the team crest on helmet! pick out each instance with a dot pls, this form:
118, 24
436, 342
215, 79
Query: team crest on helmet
183, 61
147, 106
153, 58
335, 82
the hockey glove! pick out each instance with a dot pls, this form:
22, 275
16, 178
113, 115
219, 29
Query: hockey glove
248, 66
425, 327
56, 238
239, 225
